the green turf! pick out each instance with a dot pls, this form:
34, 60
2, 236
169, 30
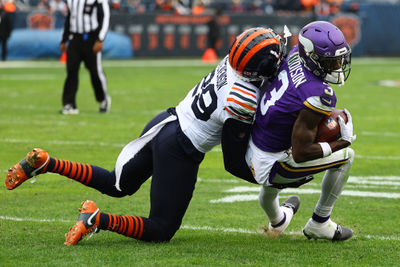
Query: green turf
35, 217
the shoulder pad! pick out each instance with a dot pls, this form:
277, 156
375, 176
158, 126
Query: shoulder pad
325, 103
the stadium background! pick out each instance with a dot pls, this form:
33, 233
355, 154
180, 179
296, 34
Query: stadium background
154, 31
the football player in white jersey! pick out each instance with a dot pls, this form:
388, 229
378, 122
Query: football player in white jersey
172, 145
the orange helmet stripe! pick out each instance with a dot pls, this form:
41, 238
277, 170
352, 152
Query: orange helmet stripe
234, 46
250, 38
254, 50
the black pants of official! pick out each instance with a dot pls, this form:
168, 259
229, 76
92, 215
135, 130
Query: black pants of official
3, 42
80, 48
173, 162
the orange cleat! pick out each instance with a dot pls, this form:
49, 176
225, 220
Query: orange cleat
88, 223
28, 167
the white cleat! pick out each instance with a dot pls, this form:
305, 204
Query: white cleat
289, 207
328, 230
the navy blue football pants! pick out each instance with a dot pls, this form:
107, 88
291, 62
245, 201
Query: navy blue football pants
173, 162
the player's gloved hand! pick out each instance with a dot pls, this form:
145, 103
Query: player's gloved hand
346, 129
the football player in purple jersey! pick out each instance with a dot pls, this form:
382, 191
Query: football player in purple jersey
171, 146
282, 151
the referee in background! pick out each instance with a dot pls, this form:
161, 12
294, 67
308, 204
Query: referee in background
85, 28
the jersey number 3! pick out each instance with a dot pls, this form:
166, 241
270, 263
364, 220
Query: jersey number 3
275, 95
205, 101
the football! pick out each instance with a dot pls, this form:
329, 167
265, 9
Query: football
329, 128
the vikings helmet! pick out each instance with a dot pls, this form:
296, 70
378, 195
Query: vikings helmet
256, 54
325, 52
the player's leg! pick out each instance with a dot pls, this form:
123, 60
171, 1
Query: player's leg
74, 59
93, 62
174, 178
134, 173
279, 216
38, 162
337, 167
320, 225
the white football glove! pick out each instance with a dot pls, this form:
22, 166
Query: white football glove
346, 129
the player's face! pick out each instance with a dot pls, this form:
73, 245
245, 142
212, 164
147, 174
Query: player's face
331, 63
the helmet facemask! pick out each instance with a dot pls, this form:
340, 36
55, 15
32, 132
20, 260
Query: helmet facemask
336, 69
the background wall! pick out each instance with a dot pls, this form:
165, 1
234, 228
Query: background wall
372, 31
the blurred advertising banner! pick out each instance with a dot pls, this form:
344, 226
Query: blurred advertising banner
162, 35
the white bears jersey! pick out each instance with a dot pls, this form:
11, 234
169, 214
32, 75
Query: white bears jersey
217, 97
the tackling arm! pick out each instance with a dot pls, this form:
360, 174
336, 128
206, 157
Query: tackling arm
304, 131
234, 140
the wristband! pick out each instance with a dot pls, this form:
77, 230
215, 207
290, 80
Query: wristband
326, 149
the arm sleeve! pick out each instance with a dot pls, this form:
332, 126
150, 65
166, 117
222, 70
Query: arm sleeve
234, 140
65, 33
104, 18
242, 102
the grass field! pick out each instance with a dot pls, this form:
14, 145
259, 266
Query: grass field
222, 222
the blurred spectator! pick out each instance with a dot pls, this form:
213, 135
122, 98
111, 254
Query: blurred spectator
237, 7
334, 6
268, 7
289, 5
255, 7
58, 7
163, 5
9, 6
328, 7
115, 4
5, 29
182, 7
44, 6
309, 5
198, 7
135, 7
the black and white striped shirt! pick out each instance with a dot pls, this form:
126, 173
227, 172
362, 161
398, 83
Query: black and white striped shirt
86, 16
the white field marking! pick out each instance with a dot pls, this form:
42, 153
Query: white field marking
386, 134
219, 181
18, 77
352, 193
139, 63
16, 219
373, 180
61, 142
196, 228
378, 157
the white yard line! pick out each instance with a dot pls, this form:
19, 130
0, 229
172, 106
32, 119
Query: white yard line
139, 63
194, 228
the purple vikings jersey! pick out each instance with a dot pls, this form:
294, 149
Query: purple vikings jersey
293, 89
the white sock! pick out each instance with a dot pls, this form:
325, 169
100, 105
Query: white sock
269, 201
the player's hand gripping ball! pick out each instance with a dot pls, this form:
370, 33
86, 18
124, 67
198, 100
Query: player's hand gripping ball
329, 128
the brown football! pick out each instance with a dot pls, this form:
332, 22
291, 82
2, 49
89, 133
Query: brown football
329, 128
